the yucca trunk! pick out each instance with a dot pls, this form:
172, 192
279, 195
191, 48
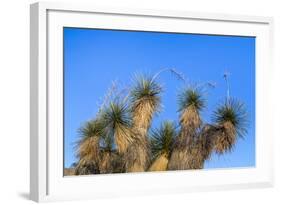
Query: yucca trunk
137, 156
186, 153
145, 102
85, 167
190, 119
123, 138
89, 159
138, 153
192, 151
225, 138
105, 165
206, 140
160, 163
142, 116
117, 162
89, 149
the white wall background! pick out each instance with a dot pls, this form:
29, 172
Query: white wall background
14, 101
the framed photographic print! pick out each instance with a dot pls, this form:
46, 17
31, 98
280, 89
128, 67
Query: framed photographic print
127, 102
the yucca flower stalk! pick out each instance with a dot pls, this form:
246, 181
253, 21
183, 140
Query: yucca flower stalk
186, 149
162, 140
225, 76
88, 150
231, 118
172, 71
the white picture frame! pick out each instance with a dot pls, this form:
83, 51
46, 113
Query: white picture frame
46, 149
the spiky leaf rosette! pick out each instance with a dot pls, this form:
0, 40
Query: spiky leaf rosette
116, 118
88, 144
186, 151
162, 140
191, 102
231, 116
145, 99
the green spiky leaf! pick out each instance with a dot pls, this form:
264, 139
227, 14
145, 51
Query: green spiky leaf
162, 139
116, 116
92, 128
146, 88
191, 97
234, 111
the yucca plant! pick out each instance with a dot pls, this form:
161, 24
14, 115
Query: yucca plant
117, 140
186, 149
88, 149
145, 102
231, 118
162, 140
117, 121
191, 102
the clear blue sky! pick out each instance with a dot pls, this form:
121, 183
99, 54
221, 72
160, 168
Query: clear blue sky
94, 58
